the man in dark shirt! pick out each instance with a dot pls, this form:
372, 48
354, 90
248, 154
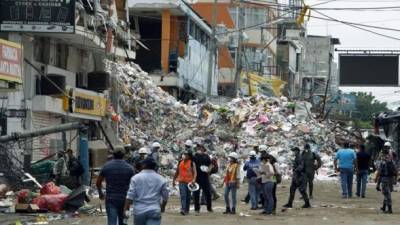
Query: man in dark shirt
363, 159
203, 164
312, 162
117, 173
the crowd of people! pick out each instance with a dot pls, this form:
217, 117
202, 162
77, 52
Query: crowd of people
136, 181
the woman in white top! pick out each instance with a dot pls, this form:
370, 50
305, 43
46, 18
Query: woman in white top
266, 173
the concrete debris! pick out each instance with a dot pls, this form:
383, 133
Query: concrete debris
150, 114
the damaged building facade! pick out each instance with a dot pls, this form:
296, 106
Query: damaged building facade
62, 69
176, 46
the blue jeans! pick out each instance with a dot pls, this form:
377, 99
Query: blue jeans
268, 197
185, 197
148, 218
362, 179
254, 192
346, 180
115, 211
230, 188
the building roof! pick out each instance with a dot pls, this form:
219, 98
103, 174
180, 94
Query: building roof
223, 15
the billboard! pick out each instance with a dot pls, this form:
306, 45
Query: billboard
10, 61
368, 70
49, 16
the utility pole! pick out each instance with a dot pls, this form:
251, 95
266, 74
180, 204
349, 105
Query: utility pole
213, 46
239, 53
327, 85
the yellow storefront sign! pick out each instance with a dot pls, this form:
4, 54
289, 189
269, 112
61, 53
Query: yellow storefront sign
85, 102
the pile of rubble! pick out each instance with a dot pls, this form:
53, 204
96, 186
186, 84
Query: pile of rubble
149, 114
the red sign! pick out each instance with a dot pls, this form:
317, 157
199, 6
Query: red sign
10, 61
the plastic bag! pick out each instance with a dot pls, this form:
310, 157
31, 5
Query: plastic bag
50, 189
53, 203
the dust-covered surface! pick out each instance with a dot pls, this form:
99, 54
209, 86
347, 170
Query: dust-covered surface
328, 208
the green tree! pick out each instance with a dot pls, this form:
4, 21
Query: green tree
366, 106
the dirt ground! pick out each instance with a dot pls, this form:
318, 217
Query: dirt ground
328, 208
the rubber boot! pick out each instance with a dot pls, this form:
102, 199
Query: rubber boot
227, 210
389, 211
383, 208
233, 211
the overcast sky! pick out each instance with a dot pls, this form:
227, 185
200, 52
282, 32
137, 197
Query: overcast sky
352, 38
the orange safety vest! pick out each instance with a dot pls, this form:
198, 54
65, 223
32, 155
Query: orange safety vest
231, 173
186, 174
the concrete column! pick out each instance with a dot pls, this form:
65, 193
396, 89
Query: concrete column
165, 40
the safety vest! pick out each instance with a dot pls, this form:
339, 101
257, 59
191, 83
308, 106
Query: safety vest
185, 171
231, 173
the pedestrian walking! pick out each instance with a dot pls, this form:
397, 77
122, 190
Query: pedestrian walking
232, 183
277, 178
266, 174
312, 162
185, 175
363, 161
299, 180
252, 165
385, 179
203, 166
347, 162
75, 169
117, 174
60, 169
148, 192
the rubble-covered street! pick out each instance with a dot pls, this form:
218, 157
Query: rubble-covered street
327, 209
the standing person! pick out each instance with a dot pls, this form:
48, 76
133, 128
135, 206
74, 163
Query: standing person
148, 192
299, 180
386, 177
363, 160
277, 178
312, 162
203, 166
347, 162
266, 173
250, 167
60, 169
143, 153
232, 183
117, 174
75, 169
185, 174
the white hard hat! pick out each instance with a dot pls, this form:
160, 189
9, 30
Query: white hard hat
387, 144
193, 187
143, 151
262, 148
252, 153
234, 155
189, 143
274, 154
156, 145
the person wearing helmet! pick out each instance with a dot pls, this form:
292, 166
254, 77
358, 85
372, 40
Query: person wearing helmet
155, 152
312, 162
185, 174
298, 180
252, 165
231, 183
142, 154
188, 145
203, 167
385, 178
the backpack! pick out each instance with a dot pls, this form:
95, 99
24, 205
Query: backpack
215, 167
388, 169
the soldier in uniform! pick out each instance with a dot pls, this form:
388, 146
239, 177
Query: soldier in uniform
299, 180
312, 162
386, 177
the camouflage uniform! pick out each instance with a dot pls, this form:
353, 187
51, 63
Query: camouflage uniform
385, 182
299, 180
310, 168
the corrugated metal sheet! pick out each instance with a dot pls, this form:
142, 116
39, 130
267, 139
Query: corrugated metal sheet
45, 145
